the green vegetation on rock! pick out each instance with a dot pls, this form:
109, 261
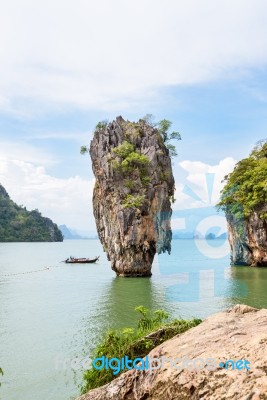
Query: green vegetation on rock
101, 125
131, 201
130, 167
153, 329
129, 159
19, 225
163, 128
124, 150
130, 162
246, 187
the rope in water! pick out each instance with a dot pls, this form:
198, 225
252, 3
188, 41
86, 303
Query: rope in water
31, 272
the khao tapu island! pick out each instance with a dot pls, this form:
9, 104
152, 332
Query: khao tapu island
133, 200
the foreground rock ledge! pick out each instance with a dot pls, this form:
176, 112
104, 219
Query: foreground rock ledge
238, 333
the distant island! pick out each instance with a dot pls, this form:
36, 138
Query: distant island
69, 233
17, 224
178, 234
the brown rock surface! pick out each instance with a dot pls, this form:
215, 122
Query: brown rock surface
238, 333
132, 235
250, 248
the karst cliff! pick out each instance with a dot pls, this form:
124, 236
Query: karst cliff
244, 200
132, 194
250, 246
17, 224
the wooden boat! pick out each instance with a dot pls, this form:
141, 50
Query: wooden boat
73, 260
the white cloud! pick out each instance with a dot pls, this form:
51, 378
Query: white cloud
74, 136
198, 173
115, 54
69, 201
65, 201
25, 152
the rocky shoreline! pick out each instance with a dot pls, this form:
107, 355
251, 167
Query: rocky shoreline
239, 333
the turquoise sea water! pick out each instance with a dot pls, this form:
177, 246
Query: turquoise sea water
51, 316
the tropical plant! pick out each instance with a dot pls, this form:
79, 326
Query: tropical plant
246, 187
152, 329
99, 126
123, 150
132, 201
163, 128
128, 160
84, 149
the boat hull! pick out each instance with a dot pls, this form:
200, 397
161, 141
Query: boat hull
81, 261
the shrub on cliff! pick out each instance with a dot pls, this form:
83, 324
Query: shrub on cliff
153, 329
133, 201
129, 159
163, 128
246, 187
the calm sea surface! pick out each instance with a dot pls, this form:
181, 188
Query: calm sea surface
51, 316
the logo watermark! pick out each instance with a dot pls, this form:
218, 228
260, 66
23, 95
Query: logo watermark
203, 260
150, 364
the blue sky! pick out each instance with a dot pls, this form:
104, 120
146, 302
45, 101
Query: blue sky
64, 67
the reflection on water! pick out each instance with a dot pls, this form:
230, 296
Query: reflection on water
116, 307
62, 313
255, 282
123, 295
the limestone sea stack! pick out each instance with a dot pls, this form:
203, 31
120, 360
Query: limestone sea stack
134, 186
244, 200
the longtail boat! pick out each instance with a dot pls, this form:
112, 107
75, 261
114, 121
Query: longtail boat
73, 260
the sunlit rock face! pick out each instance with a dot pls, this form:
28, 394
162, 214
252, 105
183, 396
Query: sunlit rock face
132, 194
248, 239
